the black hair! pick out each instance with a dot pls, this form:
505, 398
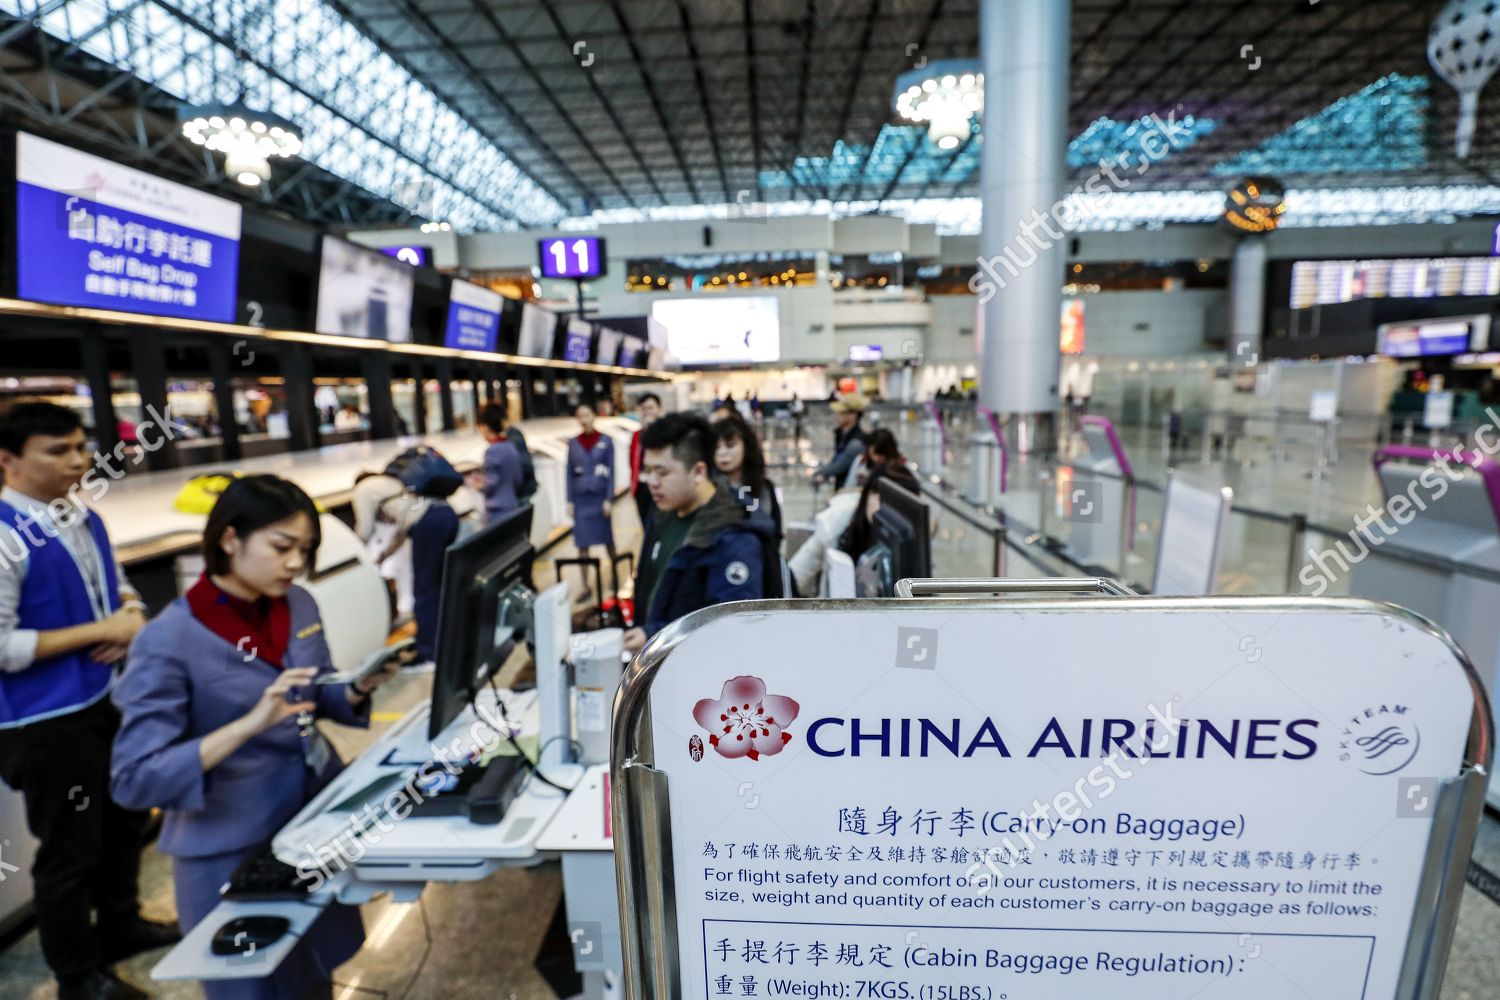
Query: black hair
31, 418
753, 472
643, 397
688, 435
249, 504
860, 534
883, 443
492, 415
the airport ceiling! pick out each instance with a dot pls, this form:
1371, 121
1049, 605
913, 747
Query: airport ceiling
584, 105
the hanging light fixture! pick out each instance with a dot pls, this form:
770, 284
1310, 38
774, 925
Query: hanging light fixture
247, 138
947, 94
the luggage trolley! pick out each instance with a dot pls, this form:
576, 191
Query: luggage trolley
1070, 789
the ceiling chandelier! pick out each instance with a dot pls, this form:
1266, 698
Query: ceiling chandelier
246, 137
1255, 205
947, 94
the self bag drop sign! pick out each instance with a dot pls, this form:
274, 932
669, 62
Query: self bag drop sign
1033, 803
94, 233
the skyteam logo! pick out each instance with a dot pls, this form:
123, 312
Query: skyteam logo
745, 721
1380, 740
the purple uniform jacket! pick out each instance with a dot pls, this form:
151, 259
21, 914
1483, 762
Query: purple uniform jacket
181, 683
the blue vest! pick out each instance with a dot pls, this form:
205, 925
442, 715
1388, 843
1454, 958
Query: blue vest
55, 596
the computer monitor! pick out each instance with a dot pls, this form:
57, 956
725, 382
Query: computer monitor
903, 525
874, 573
475, 634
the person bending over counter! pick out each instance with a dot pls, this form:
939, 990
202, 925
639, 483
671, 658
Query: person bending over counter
211, 733
67, 616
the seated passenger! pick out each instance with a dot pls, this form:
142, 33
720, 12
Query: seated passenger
218, 703
702, 547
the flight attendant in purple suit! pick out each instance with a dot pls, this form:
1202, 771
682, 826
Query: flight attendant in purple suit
211, 734
591, 485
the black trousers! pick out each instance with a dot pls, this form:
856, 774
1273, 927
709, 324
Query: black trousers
90, 849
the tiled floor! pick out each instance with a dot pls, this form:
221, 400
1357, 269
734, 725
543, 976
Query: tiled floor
484, 936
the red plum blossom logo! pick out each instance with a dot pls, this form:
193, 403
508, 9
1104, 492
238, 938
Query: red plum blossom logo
745, 721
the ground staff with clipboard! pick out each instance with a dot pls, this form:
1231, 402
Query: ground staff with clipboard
965, 797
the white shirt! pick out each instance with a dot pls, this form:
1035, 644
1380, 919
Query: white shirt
18, 645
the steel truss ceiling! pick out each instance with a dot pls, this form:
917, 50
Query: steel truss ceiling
497, 113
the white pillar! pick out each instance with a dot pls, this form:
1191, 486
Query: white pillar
1023, 251
1247, 301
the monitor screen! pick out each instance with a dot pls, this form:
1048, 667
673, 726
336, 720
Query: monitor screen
903, 524
363, 293
416, 256
1432, 337
571, 257
578, 341
721, 329
866, 352
472, 640
609, 346
538, 327
90, 232
473, 317
630, 353
874, 575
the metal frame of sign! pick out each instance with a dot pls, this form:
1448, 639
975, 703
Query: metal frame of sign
642, 802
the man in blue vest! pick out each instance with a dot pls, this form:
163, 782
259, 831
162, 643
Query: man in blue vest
67, 617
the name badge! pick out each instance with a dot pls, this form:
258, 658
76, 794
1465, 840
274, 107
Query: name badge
316, 751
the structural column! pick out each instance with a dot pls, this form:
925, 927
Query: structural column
1024, 52
1247, 301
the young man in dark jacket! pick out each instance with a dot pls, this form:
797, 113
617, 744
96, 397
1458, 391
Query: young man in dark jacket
702, 547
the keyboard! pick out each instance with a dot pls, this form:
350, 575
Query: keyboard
263, 876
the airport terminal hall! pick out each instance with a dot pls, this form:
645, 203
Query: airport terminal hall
701, 499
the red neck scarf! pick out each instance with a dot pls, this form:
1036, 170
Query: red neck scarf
261, 628
589, 440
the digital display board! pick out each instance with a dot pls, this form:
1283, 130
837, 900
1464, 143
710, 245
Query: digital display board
473, 317
571, 257
866, 352
630, 353
609, 346
1330, 282
363, 293
538, 326
90, 232
416, 256
721, 329
578, 341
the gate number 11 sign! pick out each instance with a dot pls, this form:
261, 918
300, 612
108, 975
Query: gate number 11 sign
571, 257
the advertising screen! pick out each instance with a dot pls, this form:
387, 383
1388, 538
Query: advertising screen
1072, 337
363, 293
571, 257
473, 317
578, 341
609, 346
538, 326
1427, 338
90, 232
721, 329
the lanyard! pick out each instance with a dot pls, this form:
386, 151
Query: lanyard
95, 580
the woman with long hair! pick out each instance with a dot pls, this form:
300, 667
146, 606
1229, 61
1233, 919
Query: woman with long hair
742, 464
